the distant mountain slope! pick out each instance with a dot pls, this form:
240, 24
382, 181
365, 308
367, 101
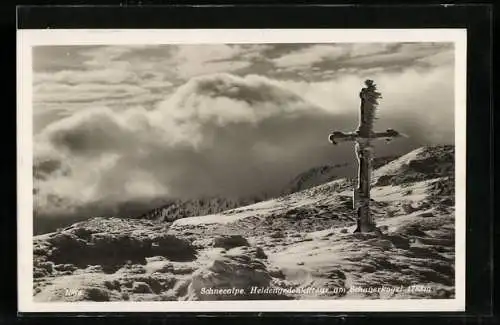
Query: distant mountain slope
178, 209
420, 164
316, 176
164, 210
327, 173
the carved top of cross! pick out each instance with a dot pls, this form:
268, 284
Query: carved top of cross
369, 102
369, 93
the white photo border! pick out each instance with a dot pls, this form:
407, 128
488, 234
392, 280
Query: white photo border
26, 39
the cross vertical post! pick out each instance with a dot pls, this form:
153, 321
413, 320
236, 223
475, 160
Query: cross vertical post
363, 137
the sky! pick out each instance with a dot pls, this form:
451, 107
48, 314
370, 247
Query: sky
116, 124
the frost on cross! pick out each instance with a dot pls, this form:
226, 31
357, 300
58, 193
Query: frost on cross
363, 137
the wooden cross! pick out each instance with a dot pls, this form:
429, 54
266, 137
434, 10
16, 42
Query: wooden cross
363, 137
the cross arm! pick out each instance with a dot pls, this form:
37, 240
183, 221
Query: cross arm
337, 136
389, 133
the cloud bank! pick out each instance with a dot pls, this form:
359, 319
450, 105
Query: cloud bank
123, 131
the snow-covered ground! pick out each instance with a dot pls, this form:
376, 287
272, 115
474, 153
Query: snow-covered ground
301, 246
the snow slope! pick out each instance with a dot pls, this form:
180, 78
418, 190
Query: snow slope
299, 246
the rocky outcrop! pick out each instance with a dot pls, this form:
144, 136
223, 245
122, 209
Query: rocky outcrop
238, 269
83, 246
231, 241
